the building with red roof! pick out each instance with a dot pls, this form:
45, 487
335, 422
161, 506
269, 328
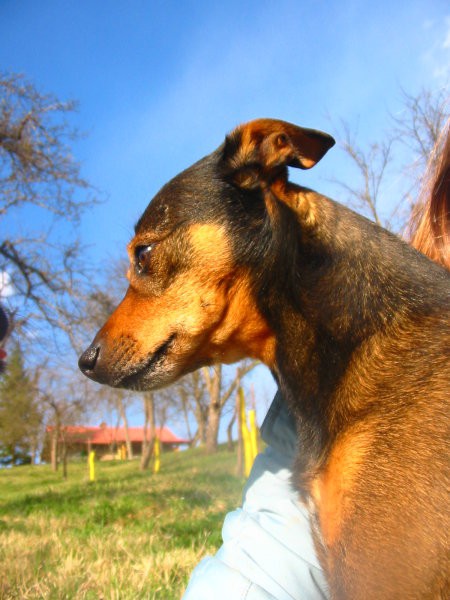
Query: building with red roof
106, 441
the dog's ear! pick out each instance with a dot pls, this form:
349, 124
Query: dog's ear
260, 151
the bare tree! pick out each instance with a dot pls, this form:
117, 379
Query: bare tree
148, 441
417, 128
371, 164
39, 174
219, 393
65, 402
201, 397
421, 121
230, 426
400, 157
119, 398
191, 394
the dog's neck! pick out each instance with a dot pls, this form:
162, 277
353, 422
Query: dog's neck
340, 280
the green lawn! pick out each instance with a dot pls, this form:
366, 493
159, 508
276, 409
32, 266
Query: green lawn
128, 535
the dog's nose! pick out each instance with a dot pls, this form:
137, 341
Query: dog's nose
88, 359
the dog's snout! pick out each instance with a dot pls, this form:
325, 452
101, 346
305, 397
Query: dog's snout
97, 364
88, 359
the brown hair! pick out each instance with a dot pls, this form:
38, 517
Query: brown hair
430, 223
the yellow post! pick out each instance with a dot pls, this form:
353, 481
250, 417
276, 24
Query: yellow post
156, 454
92, 465
123, 452
253, 432
248, 458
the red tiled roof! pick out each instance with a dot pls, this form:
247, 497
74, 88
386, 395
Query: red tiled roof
106, 435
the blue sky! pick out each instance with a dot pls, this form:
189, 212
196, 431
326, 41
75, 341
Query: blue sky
159, 83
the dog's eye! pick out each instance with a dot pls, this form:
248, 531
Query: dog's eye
142, 256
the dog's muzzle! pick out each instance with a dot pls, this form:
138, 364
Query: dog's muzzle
121, 365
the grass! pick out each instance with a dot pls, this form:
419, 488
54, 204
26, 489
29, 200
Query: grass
128, 535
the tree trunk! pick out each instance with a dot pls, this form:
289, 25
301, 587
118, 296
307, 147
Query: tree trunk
212, 433
219, 397
240, 448
64, 457
193, 441
146, 455
184, 407
54, 451
55, 439
34, 452
123, 415
214, 384
202, 421
149, 431
230, 432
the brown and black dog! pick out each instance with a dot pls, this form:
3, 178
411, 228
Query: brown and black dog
231, 260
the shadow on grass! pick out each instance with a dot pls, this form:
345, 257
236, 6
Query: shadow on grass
52, 502
186, 534
103, 504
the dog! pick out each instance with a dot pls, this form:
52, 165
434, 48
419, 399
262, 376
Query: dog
233, 260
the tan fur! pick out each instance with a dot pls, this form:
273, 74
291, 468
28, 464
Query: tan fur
331, 490
220, 322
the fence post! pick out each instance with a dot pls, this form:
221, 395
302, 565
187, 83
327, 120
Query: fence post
248, 458
91, 465
253, 432
157, 452
123, 452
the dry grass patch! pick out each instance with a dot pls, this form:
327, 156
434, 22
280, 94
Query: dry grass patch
130, 535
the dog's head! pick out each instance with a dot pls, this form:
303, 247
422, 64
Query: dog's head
197, 251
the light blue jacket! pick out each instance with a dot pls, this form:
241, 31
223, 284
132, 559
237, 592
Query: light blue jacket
267, 551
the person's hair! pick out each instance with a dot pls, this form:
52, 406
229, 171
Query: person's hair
430, 223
